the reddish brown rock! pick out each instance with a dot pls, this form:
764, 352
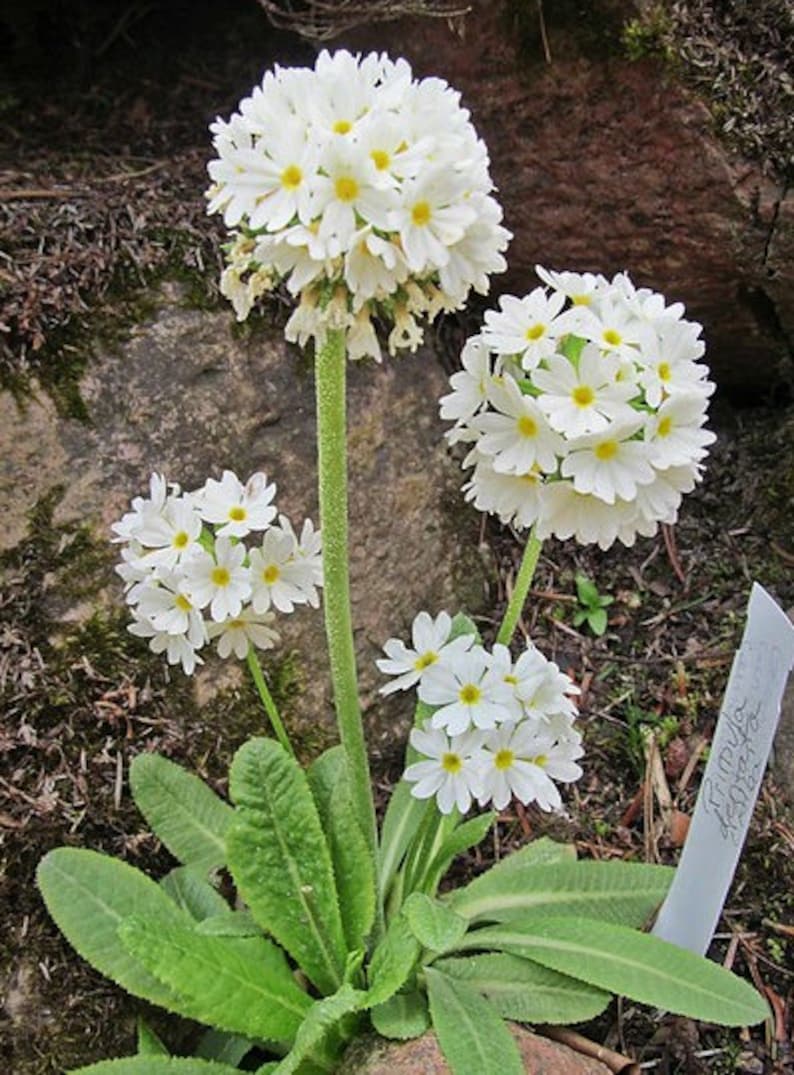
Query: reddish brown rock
605, 164
422, 1056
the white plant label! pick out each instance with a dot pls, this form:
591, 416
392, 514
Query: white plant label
739, 753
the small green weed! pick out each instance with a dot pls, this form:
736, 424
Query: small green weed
593, 606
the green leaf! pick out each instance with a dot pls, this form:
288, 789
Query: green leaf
218, 1045
472, 1036
526, 991
148, 1042
597, 621
280, 861
150, 1065
403, 817
463, 625
182, 811
354, 868
229, 924
465, 836
239, 984
88, 895
433, 924
193, 894
323, 1016
580, 616
631, 964
572, 347
623, 892
403, 1016
586, 591
393, 961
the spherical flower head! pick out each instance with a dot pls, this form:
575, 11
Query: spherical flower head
583, 406
366, 191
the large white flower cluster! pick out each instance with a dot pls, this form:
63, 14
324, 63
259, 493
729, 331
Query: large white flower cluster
584, 403
367, 191
189, 577
499, 728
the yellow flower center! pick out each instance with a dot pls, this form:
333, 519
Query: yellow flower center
583, 395
237, 513
420, 214
180, 540
504, 759
346, 188
511, 680
665, 426
235, 623
182, 603
220, 576
527, 427
534, 332
540, 760
606, 450
663, 369
291, 177
380, 158
612, 337
531, 477
270, 574
581, 300
469, 694
342, 126
451, 763
425, 660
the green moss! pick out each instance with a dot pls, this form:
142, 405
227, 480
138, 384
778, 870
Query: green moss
648, 35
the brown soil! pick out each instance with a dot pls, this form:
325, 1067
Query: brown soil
101, 174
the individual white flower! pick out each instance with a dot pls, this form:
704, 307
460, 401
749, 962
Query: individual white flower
177, 648
466, 691
609, 464
523, 762
278, 576
470, 385
433, 216
515, 498
126, 529
516, 433
169, 534
238, 508
373, 267
581, 288
527, 327
431, 643
614, 329
568, 514
449, 768
248, 628
545, 692
166, 603
221, 581
583, 398
675, 434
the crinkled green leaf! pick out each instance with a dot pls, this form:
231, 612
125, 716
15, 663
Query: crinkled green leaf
193, 894
89, 895
523, 990
354, 867
435, 926
623, 892
182, 811
220, 1045
153, 1065
403, 817
629, 963
392, 961
323, 1016
229, 924
403, 1016
280, 860
239, 984
472, 1036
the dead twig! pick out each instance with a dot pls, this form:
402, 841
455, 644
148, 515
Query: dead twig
616, 1062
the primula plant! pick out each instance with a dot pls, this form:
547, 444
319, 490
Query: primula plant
292, 923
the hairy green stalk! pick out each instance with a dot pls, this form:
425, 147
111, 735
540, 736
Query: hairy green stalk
330, 370
521, 588
255, 668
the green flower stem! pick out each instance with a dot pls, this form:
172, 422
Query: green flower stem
521, 589
267, 700
332, 479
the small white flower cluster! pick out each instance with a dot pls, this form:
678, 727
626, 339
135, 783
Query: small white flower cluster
584, 403
366, 191
183, 557
499, 727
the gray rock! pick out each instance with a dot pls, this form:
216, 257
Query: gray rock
185, 397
